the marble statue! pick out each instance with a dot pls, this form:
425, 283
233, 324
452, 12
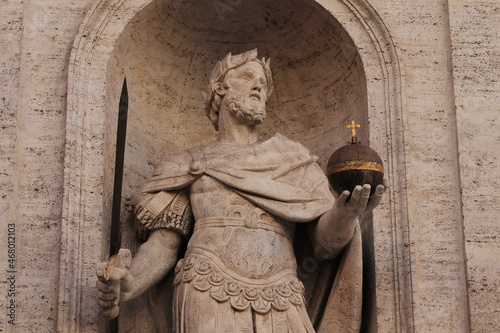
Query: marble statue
237, 202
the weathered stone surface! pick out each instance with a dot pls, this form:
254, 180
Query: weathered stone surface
421, 34
10, 37
475, 30
37, 39
444, 160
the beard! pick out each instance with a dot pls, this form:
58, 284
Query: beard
246, 109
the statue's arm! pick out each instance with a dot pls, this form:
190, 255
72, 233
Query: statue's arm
155, 258
335, 228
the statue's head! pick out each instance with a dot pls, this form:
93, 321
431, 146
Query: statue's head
243, 83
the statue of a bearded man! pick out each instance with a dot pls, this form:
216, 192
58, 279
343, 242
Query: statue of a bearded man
238, 201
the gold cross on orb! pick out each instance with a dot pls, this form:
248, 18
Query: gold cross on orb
353, 127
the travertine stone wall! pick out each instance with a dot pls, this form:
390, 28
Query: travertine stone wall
420, 32
10, 44
37, 39
475, 32
447, 52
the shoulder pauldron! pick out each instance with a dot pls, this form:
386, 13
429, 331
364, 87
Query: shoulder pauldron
164, 209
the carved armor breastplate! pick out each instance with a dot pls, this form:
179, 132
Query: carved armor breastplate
247, 240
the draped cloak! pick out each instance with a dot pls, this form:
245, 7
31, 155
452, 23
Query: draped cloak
281, 177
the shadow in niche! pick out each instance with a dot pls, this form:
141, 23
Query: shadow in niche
167, 52
369, 323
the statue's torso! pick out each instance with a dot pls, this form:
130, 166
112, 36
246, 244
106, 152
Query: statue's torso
246, 239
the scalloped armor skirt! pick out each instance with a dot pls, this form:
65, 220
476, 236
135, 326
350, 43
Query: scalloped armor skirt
210, 299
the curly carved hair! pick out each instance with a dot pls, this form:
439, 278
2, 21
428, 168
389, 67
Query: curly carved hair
212, 98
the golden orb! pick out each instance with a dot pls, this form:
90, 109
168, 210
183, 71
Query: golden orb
355, 164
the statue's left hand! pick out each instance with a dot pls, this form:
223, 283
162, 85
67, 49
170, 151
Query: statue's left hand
336, 227
359, 202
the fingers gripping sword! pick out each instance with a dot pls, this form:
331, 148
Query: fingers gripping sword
113, 271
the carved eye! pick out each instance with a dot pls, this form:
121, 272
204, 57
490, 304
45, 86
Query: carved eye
246, 76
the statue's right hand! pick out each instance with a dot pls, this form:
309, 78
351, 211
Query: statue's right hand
114, 283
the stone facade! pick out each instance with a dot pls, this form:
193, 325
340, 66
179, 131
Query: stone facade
420, 75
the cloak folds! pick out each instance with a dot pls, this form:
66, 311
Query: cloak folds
283, 178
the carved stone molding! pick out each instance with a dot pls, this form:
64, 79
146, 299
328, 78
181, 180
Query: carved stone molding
391, 229
85, 209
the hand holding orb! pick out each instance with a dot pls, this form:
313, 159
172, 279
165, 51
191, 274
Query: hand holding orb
355, 164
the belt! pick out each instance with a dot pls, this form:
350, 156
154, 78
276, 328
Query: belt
263, 223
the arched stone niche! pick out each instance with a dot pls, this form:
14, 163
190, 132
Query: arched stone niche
167, 52
332, 61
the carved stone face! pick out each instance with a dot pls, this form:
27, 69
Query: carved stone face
248, 78
246, 93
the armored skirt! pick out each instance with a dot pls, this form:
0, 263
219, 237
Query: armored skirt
210, 299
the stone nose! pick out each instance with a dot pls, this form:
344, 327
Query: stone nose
257, 86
